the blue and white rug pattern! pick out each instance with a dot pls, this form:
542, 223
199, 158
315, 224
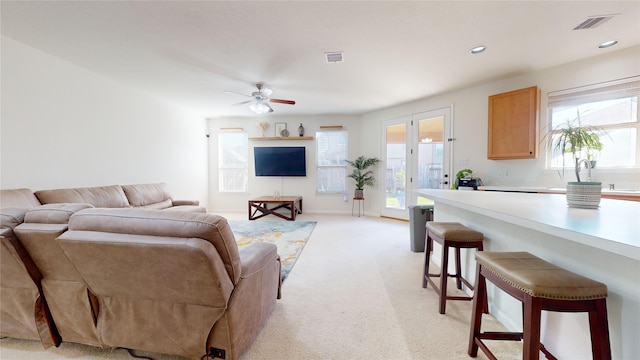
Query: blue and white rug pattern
289, 236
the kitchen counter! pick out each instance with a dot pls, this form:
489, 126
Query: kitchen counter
628, 194
602, 244
615, 227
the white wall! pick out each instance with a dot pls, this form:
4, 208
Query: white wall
260, 186
64, 126
470, 120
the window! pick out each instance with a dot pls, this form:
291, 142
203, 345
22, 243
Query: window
233, 169
613, 109
332, 153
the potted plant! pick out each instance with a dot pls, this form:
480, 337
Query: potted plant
361, 174
593, 153
578, 140
461, 175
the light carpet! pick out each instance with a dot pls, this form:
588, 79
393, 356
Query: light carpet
289, 236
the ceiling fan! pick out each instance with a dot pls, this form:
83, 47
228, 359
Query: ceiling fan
259, 103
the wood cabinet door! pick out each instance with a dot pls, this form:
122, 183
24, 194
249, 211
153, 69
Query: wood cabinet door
513, 121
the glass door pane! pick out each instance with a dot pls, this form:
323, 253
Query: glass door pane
430, 155
396, 166
417, 156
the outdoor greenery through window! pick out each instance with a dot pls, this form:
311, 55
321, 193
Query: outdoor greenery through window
233, 168
331, 153
612, 110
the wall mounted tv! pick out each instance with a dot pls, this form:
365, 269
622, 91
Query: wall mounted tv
280, 161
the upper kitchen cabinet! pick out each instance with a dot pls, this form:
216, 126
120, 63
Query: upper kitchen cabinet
513, 121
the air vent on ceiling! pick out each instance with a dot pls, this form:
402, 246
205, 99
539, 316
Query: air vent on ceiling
334, 57
593, 22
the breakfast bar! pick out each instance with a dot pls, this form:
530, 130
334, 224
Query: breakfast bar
602, 244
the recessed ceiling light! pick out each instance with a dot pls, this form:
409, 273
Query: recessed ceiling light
478, 49
607, 44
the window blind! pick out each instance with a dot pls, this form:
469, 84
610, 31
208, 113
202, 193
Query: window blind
610, 90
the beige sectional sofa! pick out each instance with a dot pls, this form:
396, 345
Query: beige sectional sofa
130, 275
152, 196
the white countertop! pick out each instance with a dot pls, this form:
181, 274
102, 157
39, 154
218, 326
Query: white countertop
614, 227
552, 190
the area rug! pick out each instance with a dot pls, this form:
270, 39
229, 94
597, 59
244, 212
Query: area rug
289, 236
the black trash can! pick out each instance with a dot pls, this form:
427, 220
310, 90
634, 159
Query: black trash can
418, 217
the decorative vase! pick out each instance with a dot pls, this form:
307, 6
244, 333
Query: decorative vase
584, 195
301, 130
359, 193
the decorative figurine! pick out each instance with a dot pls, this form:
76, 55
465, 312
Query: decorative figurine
263, 125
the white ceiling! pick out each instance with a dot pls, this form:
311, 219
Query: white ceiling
190, 52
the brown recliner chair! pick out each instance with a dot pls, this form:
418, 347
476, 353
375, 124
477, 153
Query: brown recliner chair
71, 304
24, 313
172, 282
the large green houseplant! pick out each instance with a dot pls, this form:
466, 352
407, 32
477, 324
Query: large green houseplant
582, 142
578, 140
362, 174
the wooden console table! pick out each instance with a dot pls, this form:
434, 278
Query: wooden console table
259, 207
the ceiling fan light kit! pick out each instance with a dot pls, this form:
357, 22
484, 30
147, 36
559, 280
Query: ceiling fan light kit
260, 108
260, 99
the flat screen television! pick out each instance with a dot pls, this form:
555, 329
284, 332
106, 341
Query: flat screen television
280, 161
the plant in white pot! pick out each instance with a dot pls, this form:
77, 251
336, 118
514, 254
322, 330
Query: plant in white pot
361, 173
578, 140
593, 154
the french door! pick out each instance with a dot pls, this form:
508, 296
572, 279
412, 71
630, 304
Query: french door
417, 155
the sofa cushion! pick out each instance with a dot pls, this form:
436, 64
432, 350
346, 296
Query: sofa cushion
166, 204
191, 208
18, 198
11, 217
53, 213
100, 196
154, 196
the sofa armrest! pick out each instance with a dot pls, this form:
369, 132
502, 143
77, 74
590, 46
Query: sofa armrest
252, 301
256, 256
185, 202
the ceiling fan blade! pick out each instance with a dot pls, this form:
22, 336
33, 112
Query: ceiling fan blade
237, 93
244, 102
280, 101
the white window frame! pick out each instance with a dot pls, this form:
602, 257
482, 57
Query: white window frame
338, 165
241, 152
581, 97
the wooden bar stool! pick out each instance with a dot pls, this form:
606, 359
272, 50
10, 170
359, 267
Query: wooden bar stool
449, 235
539, 285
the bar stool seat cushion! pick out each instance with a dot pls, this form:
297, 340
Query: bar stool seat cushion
453, 231
539, 278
